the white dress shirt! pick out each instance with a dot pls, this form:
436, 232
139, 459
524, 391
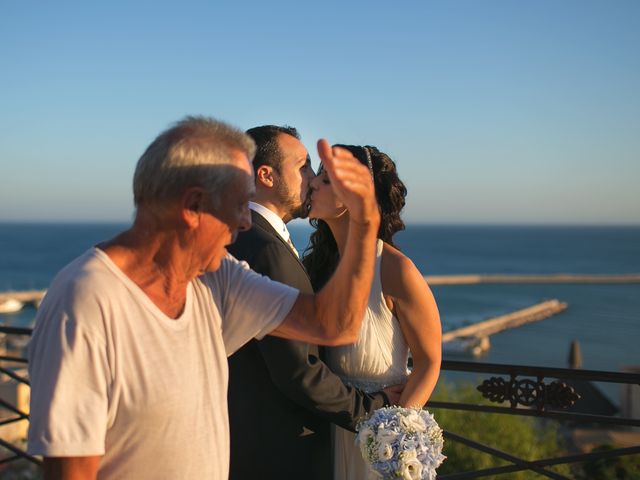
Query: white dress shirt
275, 221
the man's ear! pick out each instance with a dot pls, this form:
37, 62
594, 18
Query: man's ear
265, 176
193, 203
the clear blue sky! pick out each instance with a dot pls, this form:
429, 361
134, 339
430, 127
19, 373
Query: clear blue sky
495, 111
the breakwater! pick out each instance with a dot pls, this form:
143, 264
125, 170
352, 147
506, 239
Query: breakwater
35, 296
519, 278
515, 319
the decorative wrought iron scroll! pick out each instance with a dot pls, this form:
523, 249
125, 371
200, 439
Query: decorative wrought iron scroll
529, 393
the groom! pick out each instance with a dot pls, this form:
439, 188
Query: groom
282, 397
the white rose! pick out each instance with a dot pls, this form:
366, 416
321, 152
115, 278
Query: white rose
365, 435
385, 452
386, 436
413, 422
410, 466
365, 439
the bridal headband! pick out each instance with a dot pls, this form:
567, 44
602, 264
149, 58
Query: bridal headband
369, 162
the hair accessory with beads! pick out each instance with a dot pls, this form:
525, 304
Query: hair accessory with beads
369, 162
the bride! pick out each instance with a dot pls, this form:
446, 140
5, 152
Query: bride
402, 315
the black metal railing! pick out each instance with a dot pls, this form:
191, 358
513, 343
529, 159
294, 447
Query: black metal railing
9, 364
525, 389
528, 393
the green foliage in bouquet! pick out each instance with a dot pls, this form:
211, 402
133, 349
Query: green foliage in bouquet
524, 437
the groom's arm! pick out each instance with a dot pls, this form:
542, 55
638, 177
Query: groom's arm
296, 369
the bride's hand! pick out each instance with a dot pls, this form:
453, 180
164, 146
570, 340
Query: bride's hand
393, 393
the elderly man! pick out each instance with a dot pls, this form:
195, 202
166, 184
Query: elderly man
128, 357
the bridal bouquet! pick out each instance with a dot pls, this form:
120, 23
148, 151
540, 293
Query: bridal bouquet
402, 443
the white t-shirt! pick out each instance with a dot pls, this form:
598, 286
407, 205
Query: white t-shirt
112, 375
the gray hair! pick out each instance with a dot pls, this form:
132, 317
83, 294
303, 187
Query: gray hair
182, 156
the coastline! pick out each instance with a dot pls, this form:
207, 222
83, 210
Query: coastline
605, 318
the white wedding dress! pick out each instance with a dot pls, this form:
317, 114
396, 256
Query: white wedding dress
378, 359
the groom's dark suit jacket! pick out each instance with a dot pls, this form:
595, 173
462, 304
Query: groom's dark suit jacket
282, 397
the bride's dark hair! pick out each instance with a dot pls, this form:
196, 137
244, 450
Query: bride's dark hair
321, 256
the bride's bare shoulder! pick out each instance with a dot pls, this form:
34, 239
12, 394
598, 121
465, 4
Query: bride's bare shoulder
398, 272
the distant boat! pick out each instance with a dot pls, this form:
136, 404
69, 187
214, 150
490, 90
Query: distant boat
11, 305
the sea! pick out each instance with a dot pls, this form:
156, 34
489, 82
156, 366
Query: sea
604, 318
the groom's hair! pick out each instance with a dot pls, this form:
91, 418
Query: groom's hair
267, 150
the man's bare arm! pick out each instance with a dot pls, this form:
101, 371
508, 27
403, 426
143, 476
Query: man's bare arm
333, 315
71, 468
